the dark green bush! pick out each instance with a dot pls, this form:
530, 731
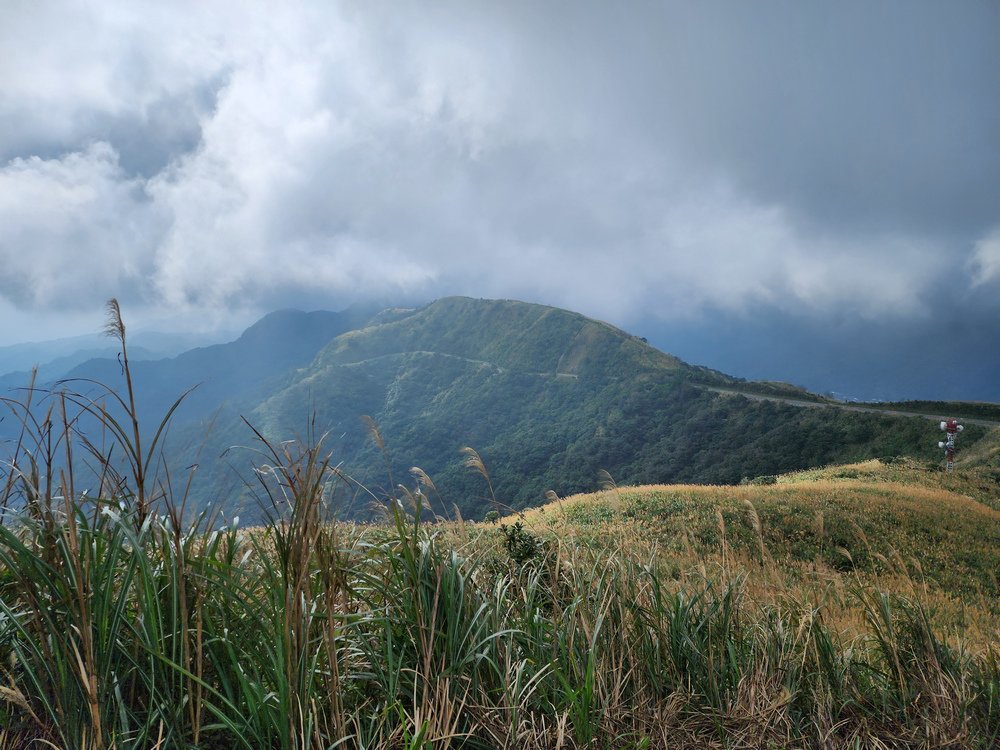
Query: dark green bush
520, 543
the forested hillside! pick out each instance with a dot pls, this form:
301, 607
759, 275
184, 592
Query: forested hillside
548, 397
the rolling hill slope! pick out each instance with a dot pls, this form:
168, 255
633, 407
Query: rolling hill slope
869, 517
549, 398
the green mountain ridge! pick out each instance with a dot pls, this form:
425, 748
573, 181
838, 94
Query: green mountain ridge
549, 398
504, 333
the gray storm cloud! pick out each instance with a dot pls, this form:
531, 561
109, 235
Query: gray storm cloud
639, 159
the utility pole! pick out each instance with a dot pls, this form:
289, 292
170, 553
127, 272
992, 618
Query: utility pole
951, 429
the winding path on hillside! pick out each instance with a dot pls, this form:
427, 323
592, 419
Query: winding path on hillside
844, 407
717, 389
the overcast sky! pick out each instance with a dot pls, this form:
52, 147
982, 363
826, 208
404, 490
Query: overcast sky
645, 163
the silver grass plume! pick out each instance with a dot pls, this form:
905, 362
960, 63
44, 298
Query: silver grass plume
423, 479
374, 431
474, 461
114, 326
605, 481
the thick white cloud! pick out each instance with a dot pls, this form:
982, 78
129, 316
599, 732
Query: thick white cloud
220, 156
986, 258
75, 229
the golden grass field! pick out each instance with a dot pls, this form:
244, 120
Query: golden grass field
815, 536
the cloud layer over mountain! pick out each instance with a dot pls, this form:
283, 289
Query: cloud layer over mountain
655, 160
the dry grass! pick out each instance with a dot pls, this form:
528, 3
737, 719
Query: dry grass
813, 537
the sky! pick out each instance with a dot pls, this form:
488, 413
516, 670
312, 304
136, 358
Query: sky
779, 189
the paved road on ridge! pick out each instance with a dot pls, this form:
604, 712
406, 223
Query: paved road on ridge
845, 407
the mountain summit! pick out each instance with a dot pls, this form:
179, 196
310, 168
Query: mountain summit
549, 398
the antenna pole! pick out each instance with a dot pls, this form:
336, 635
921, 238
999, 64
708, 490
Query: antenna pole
951, 429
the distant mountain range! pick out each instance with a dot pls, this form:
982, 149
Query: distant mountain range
548, 397
54, 359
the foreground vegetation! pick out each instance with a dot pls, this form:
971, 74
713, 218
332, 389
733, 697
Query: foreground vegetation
609, 621
123, 632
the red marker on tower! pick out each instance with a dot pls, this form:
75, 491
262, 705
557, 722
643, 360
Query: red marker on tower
951, 428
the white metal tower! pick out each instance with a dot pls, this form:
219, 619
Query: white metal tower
951, 428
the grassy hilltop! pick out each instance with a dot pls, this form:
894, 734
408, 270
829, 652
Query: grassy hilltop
866, 518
